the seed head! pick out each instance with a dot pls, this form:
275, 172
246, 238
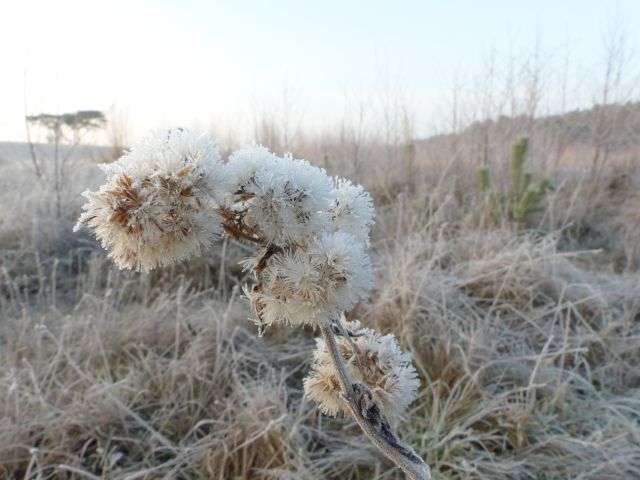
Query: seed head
159, 202
351, 210
376, 361
282, 200
313, 285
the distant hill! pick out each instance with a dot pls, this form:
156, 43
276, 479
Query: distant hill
619, 122
611, 130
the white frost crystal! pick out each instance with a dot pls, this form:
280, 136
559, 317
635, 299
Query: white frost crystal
281, 200
159, 202
244, 163
377, 362
351, 210
315, 285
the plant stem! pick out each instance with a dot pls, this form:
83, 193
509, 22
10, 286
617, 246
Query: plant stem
367, 414
358, 397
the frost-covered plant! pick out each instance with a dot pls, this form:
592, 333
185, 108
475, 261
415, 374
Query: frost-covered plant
159, 204
371, 359
351, 210
169, 197
313, 284
280, 201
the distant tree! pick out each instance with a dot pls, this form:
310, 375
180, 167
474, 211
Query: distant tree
68, 129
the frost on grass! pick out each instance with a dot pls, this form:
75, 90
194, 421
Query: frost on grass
159, 202
372, 359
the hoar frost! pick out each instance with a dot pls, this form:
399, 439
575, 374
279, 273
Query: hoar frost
282, 201
372, 359
169, 197
351, 210
313, 285
159, 203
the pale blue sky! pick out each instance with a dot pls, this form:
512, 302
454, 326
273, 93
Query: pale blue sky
198, 63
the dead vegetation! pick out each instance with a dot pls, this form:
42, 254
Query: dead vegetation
526, 338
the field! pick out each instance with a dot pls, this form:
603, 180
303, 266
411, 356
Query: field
522, 318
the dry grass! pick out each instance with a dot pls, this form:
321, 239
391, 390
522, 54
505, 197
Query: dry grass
527, 342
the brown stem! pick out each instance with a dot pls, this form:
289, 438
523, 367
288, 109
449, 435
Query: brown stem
269, 251
235, 228
235, 233
367, 414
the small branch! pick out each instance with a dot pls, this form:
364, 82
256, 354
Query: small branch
238, 234
340, 330
233, 227
367, 414
269, 252
258, 269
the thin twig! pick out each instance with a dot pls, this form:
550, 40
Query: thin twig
367, 414
236, 233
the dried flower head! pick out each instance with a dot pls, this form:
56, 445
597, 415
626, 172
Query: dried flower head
244, 162
314, 285
282, 201
159, 202
351, 210
169, 196
373, 360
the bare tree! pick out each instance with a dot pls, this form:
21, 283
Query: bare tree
617, 57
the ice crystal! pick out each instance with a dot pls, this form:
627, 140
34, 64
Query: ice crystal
313, 285
282, 201
373, 360
351, 210
159, 202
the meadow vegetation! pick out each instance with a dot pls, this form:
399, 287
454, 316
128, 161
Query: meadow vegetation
524, 325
